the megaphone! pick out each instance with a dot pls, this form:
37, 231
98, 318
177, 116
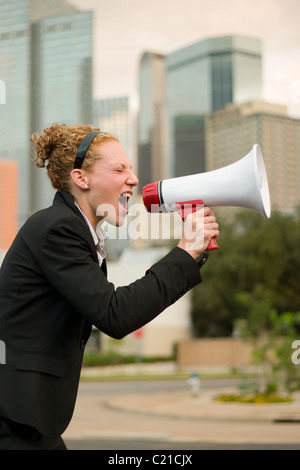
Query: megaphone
242, 184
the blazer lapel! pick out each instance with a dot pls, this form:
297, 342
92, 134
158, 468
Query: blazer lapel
67, 198
104, 267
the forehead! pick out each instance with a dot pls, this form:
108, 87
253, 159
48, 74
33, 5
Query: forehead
111, 152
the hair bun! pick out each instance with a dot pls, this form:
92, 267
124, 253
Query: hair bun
45, 144
56, 150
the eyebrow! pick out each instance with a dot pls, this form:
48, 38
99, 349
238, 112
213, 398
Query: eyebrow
123, 165
116, 165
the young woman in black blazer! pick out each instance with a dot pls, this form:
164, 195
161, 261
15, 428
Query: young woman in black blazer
54, 286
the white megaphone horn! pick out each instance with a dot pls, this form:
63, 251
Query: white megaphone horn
242, 184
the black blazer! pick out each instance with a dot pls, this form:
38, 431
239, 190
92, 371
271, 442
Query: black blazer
51, 293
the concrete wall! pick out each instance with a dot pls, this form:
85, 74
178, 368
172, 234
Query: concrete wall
220, 352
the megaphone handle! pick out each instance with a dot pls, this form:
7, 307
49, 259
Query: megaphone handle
185, 208
212, 245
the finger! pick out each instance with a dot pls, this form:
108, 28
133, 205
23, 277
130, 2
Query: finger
210, 219
208, 211
213, 233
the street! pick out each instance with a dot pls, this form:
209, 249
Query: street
126, 445
97, 426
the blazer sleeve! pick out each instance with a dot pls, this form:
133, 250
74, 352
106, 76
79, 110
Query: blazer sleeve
66, 260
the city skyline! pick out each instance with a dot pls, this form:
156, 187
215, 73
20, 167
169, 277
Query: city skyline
163, 27
46, 65
178, 90
130, 40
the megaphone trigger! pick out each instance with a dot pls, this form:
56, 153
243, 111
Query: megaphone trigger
187, 207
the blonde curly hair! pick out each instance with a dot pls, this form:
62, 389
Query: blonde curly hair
57, 147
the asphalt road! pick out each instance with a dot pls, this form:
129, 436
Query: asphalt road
110, 424
113, 446
103, 388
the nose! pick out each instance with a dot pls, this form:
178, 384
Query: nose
132, 179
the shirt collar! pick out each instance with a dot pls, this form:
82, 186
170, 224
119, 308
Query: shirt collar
100, 237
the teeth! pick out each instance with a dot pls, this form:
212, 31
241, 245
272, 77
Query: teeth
123, 199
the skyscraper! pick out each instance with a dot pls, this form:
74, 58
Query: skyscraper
232, 131
202, 78
15, 72
113, 115
191, 83
46, 64
152, 119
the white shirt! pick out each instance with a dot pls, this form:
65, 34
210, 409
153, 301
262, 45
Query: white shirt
98, 240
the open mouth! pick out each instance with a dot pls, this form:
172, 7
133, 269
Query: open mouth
123, 201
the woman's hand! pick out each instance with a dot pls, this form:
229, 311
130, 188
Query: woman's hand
199, 228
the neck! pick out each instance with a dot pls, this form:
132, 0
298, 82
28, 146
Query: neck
86, 209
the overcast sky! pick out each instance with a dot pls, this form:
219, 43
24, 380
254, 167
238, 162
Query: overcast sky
124, 29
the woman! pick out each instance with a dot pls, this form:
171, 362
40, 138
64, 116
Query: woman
53, 285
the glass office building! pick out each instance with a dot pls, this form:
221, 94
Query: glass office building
152, 119
15, 72
113, 115
201, 79
177, 92
61, 81
232, 132
46, 64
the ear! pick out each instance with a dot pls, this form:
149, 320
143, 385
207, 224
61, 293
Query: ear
79, 178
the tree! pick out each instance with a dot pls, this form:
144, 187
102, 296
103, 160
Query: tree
258, 257
272, 336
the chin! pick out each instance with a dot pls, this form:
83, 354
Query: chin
120, 222
116, 221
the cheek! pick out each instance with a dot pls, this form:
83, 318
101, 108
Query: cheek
102, 192
106, 191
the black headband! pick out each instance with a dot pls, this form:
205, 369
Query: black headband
83, 148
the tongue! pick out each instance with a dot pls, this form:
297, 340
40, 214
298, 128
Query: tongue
123, 201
